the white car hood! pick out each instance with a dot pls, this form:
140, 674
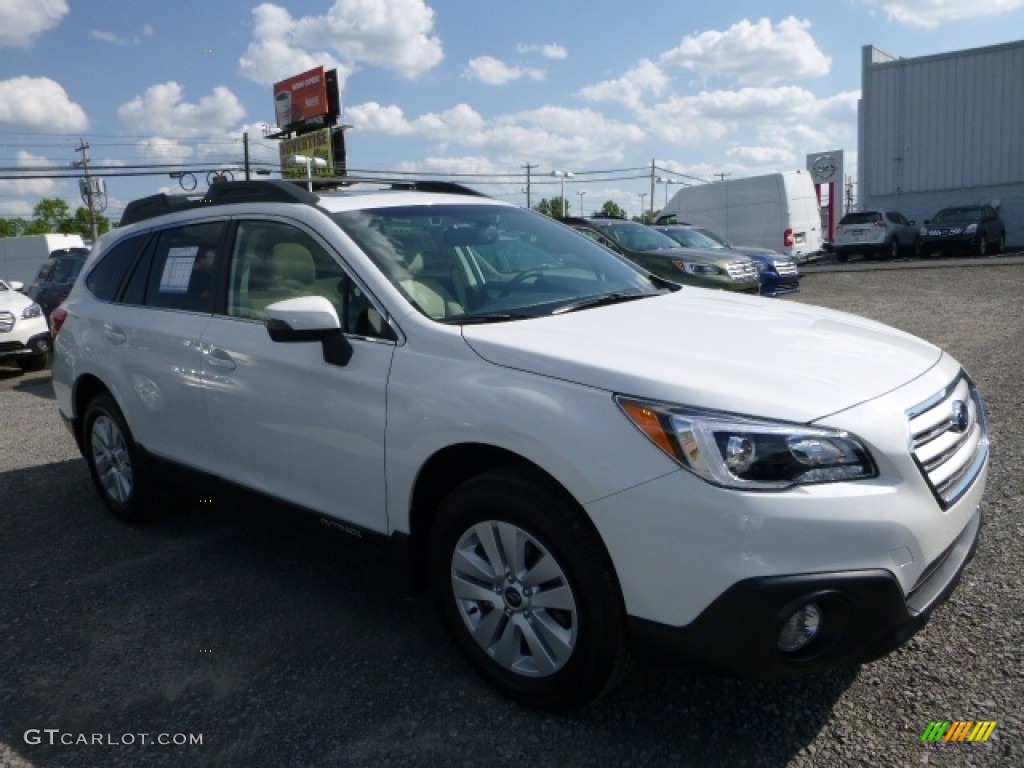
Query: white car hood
715, 349
13, 301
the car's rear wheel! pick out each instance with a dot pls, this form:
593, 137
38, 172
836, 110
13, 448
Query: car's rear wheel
527, 590
842, 257
116, 464
1000, 244
894, 248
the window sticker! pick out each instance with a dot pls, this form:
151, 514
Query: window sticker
178, 269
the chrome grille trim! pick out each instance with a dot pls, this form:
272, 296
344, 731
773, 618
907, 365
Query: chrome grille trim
949, 458
6, 322
739, 271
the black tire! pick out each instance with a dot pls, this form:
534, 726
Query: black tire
894, 249
116, 463
548, 632
981, 246
842, 257
31, 364
922, 251
1000, 245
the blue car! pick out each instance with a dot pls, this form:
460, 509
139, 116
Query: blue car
779, 273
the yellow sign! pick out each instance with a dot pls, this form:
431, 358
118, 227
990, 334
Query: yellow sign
316, 146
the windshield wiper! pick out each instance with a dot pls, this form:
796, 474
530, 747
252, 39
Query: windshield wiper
488, 317
600, 301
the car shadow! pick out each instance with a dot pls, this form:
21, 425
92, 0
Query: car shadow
281, 642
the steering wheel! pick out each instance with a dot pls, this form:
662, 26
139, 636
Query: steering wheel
521, 277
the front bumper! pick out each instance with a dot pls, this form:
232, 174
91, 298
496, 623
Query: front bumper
864, 616
39, 344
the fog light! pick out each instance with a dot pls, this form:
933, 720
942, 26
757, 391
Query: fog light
800, 629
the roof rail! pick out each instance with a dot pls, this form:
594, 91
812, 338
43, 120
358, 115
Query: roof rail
274, 191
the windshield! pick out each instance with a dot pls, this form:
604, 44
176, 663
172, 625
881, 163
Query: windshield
957, 216
637, 237
691, 238
474, 263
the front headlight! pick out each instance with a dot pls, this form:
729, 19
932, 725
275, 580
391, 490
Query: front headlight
32, 310
970, 229
698, 268
738, 451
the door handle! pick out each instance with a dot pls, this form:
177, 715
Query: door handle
218, 358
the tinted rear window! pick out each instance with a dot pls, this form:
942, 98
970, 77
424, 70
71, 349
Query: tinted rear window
105, 279
861, 217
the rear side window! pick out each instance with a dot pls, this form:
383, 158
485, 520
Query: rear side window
181, 275
105, 279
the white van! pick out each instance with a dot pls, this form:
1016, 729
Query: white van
778, 211
21, 257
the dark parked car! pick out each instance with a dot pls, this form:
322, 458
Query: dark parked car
976, 229
55, 278
660, 254
779, 273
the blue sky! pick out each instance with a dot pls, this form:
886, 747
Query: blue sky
477, 87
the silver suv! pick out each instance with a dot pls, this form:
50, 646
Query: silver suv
577, 457
874, 233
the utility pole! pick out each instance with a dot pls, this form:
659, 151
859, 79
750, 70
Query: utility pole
651, 217
528, 168
83, 147
722, 174
245, 144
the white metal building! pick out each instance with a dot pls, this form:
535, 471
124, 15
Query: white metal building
943, 130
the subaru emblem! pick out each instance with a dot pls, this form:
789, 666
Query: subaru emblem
961, 418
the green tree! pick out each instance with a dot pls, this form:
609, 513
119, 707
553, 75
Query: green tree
51, 214
11, 227
611, 208
79, 224
553, 207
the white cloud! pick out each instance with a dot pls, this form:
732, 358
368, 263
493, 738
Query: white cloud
762, 156
38, 102
395, 35
932, 13
582, 137
21, 21
487, 69
630, 89
162, 150
754, 53
27, 187
161, 110
107, 37
548, 50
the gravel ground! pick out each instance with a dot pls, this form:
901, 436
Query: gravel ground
281, 646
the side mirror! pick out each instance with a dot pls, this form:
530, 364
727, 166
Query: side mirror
17, 285
305, 319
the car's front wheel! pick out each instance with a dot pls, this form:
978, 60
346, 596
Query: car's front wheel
115, 462
527, 590
981, 245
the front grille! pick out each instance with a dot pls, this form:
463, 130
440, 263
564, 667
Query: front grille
6, 322
786, 268
740, 271
949, 439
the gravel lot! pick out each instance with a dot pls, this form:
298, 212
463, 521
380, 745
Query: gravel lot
280, 645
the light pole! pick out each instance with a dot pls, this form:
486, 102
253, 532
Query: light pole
666, 181
642, 196
563, 175
309, 162
581, 194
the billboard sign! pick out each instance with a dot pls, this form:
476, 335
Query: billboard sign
317, 145
301, 98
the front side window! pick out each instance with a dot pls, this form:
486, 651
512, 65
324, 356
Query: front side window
272, 261
472, 263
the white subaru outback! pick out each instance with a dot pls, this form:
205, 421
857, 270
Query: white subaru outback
24, 332
580, 458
